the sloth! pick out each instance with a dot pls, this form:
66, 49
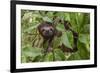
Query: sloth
48, 32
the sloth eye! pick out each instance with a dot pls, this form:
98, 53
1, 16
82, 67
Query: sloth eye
51, 29
42, 30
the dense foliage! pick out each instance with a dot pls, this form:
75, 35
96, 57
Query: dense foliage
31, 40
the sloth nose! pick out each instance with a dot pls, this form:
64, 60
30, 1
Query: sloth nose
47, 31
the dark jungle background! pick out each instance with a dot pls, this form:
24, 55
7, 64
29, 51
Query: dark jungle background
31, 40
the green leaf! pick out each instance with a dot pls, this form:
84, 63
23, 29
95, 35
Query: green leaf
31, 28
37, 59
50, 14
47, 19
60, 27
67, 16
59, 55
65, 40
83, 51
84, 38
56, 42
75, 56
49, 57
31, 53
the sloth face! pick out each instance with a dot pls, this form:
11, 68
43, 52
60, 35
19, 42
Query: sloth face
47, 31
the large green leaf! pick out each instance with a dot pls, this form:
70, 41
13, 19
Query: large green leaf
85, 39
60, 27
30, 53
59, 55
65, 40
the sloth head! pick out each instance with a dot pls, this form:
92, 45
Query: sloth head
46, 29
